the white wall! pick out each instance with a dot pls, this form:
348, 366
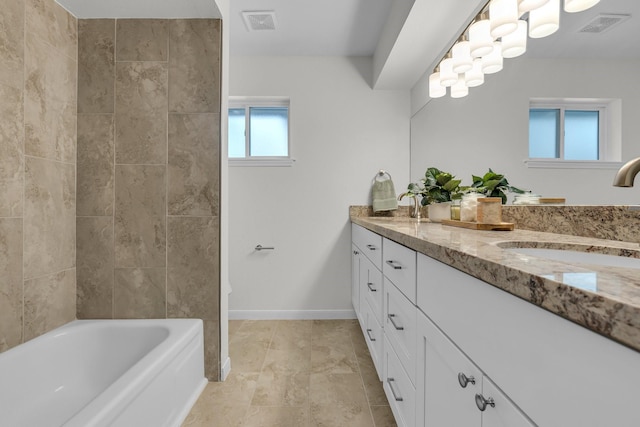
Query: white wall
342, 133
489, 128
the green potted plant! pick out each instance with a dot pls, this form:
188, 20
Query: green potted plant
436, 190
493, 184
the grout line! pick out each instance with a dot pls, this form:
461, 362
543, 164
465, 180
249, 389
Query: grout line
23, 159
113, 205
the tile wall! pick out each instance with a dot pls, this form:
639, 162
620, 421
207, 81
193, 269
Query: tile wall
148, 172
38, 76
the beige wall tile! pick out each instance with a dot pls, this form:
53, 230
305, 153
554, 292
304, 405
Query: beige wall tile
53, 24
12, 43
194, 66
95, 267
49, 302
11, 150
139, 293
193, 269
141, 113
49, 102
194, 164
95, 164
49, 217
96, 65
212, 349
10, 282
140, 220
142, 40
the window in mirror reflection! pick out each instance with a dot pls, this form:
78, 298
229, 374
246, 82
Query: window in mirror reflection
566, 132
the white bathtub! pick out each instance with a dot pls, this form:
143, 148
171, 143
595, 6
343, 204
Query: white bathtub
126, 373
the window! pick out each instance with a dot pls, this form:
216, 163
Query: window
571, 133
259, 132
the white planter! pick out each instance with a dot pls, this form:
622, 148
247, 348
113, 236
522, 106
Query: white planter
439, 211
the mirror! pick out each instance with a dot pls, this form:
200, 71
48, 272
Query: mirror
489, 128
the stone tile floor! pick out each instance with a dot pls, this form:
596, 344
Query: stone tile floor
295, 373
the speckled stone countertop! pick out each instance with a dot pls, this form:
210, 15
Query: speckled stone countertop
603, 299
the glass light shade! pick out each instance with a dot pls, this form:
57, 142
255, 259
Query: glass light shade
493, 62
503, 17
447, 76
579, 5
474, 77
480, 40
545, 20
436, 90
528, 5
461, 54
515, 44
459, 89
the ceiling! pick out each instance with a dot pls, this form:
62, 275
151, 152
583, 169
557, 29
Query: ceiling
310, 27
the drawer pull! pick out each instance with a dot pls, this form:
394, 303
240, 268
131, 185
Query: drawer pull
394, 264
398, 328
395, 395
482, 403
371, 247
371, 288
356, 252
464, 380
369, 334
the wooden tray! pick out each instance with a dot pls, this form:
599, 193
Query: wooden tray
502, 226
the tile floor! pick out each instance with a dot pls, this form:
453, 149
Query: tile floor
295, 373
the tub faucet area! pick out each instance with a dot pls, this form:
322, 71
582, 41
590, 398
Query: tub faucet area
627, 173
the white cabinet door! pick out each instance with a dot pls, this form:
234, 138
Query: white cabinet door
400, 326
355, 279
499, 411
442, 369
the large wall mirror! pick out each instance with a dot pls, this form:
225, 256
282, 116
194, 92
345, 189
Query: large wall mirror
489, 128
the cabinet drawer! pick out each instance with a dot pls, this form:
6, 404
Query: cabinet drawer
374, 336
400, 327
369, 243
400, 267
371, 288
399, 390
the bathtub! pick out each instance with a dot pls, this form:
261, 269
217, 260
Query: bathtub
126, 373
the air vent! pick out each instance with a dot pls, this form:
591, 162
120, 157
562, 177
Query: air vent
603, 22
259, 20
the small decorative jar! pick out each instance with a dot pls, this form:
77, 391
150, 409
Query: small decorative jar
468, 207
455, 209
526, 199
490, 210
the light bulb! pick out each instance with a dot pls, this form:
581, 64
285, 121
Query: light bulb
436, 90
528, 5
545, 20
503, 17
447, 76
459, 89
480, 40
515, 44
461, 54
579, 5
493, 62
475, 77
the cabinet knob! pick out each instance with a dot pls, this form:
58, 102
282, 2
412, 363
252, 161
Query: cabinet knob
371, 288
464, 380
371, 247
482, 403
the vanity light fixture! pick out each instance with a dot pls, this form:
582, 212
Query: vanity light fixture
572, 6
498, 31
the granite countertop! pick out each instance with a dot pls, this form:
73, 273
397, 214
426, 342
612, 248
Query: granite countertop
603, 299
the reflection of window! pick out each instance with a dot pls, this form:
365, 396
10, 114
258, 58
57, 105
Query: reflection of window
567, 132
259, 132
575, 133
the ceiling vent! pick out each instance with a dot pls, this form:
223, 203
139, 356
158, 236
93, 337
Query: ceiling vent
264, 20
604, 22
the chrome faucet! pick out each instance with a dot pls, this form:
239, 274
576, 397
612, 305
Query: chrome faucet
415, 213
627, 173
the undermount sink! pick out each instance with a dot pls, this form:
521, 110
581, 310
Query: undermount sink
577, 254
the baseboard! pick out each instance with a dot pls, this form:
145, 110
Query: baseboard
226, 368
291, 314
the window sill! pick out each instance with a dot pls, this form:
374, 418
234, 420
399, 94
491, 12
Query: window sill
262, 162
571, 164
